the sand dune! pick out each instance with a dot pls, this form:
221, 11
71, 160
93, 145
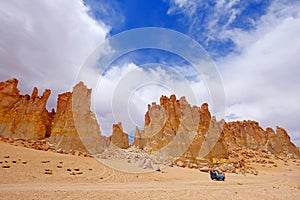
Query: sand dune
73, 177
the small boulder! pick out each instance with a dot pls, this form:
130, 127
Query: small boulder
204, 169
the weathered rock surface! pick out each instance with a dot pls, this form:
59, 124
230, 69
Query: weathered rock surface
138, 141
23, 116
175, 128
74, 126
280, 142
118, 137
245, 133
249, 134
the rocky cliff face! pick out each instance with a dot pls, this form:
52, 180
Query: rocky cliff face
250, 134
245, 133
74, 126
280, 143
174, 128
23, 116
118, 137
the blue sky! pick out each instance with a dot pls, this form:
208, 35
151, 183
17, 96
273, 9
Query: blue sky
191, 19
255, 46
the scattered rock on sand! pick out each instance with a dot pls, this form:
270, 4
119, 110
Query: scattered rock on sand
145, 163
204, 169
179, 163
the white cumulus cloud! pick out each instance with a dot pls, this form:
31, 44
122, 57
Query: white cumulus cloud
262, 80
44, 43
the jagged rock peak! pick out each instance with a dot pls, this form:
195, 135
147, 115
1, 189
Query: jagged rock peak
22, 116
250, 134
74, 126
119, 138
172, 117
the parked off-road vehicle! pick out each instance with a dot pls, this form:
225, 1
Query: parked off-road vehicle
217, 175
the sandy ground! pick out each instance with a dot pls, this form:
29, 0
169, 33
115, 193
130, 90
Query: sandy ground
87, 178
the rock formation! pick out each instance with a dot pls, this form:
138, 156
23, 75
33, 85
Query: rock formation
23, 116
74, 126
280, 142
173, 129
245, 133
250, 134
176, 129
118, 137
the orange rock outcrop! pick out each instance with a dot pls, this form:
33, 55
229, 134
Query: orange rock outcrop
23, 116
173, 129
74, 126
118, 137
250, 134
177, 129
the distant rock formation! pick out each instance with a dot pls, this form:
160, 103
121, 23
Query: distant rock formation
245, 133
23, 116
174, 128
118, 137
250, 134
280, 142
74, 126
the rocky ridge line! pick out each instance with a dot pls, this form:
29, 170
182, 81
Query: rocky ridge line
172, 117
172, 126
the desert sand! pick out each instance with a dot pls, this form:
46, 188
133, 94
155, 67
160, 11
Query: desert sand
34, 174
